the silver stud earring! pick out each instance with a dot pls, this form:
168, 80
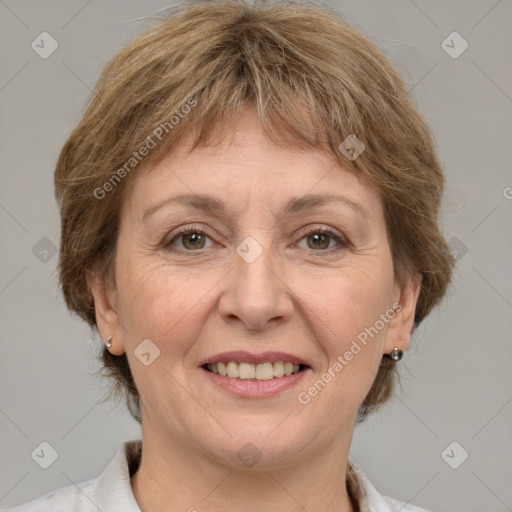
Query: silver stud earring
108, 343
396, 354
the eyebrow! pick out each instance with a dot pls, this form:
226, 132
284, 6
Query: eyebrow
296, 205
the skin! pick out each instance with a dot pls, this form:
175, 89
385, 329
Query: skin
295, 298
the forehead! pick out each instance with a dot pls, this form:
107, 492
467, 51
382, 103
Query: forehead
247, 168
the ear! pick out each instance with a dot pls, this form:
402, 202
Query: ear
105, 306
400, 327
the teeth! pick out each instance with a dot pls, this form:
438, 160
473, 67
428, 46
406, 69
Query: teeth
278, 369
265, 371
232, 370
245, 371
222, 369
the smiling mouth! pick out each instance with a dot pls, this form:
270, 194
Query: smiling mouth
255, 372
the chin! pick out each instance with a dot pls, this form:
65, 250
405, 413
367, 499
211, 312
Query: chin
257, 448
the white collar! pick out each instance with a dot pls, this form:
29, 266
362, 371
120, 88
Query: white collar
112, 490
371, 499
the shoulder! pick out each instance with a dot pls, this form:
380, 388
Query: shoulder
400, 506
109, 492
65, 499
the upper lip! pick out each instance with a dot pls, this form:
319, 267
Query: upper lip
242, 356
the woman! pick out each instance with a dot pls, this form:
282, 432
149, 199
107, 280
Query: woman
249, 219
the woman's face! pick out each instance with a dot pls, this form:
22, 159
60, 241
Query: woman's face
262, 281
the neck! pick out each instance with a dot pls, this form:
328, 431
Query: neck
174, 476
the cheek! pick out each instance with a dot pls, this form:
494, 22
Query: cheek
348, 327
158, 303
347, 301
162, 306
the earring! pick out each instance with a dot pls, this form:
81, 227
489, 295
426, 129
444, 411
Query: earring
396, 354
108, 343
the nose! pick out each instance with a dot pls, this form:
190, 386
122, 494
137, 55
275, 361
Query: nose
256, 294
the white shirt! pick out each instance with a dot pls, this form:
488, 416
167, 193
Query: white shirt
112, 491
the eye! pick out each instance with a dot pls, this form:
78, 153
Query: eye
192, 238
320, 238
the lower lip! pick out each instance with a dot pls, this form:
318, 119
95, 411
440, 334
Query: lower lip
255, 388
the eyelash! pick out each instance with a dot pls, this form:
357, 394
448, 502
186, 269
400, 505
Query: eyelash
341, 241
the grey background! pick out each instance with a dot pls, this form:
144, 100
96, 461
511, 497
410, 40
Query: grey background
457, 383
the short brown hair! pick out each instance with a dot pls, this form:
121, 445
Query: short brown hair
312, 80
